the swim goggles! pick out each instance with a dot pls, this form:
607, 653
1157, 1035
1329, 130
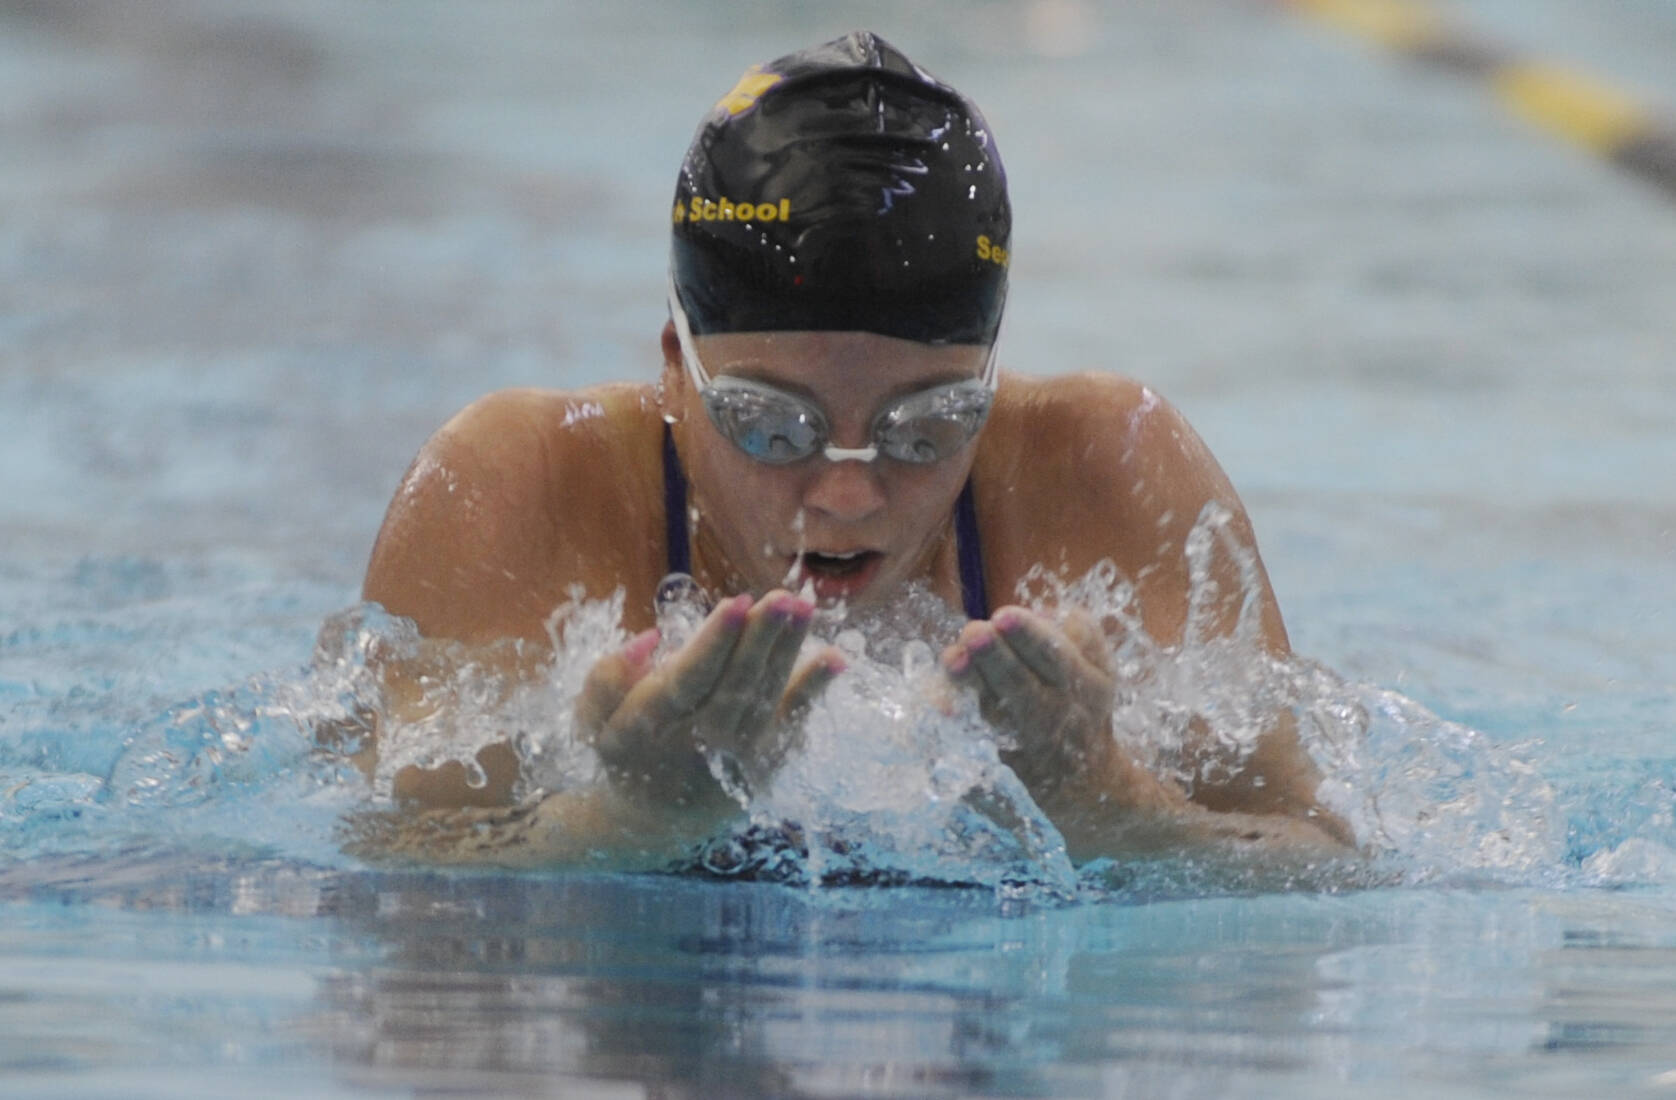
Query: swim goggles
778, 428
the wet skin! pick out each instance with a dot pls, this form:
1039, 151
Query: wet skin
482, 542
733, 687
758, 518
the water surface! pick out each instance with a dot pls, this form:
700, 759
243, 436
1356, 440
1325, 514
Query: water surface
253, 254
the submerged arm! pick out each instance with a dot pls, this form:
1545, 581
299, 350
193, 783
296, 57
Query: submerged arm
1121, 477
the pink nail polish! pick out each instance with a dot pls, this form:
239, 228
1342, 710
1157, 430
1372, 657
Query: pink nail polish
640, 648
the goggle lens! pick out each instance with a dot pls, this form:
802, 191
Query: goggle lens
776, 428
769, 426
929, 427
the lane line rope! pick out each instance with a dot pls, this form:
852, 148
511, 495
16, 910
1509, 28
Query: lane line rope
1561, 100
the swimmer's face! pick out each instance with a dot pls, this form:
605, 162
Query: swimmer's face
857, 530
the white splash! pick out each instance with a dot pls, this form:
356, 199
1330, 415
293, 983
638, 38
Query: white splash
892, 781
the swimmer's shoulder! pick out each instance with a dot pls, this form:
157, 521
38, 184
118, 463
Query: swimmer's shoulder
505, 424
518, 498
1066, 435
1078, 468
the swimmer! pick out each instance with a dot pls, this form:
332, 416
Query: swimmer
830, 426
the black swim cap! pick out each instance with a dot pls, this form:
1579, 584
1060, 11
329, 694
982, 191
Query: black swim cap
843, 188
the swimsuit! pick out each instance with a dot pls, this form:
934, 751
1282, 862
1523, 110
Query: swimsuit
967, 549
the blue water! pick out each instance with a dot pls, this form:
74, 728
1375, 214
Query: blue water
251, 255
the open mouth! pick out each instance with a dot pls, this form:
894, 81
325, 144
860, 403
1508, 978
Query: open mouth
838, 566
838, 576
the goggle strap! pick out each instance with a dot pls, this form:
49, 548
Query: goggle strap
992, 365
684, 334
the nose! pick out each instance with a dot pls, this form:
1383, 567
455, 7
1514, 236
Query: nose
847, 490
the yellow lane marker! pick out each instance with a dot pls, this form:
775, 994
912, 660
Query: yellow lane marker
1564, 102
1393, 23
1572, 105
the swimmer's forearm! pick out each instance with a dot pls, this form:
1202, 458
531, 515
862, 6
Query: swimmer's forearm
596, 826
603, 826
1116, 808
1278, 777
1104, 831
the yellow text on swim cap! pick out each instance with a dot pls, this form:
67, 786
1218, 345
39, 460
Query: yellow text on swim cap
724, 209
994, 253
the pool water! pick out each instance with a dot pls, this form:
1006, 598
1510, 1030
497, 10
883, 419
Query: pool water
252, 254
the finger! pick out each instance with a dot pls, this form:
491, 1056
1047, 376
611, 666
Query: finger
1004, 675
958, 672
750, 685
611, 678
689, 677
1039, 644
807, 683
944, 694
799, 615
1085, 633
959, 662
963, 667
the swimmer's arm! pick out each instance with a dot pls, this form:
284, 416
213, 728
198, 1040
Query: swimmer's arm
1099, 832
454, 556
1114, 807
1180, 484
1051, 685
595, 826
419, 692
1137, 478
482, 542
477, 550
443, 814
733, 685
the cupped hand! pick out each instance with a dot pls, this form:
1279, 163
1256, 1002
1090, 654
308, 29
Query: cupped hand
1050, 685
734, 688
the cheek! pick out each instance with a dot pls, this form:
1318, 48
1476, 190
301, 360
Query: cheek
931, 489
747, 498
766, 504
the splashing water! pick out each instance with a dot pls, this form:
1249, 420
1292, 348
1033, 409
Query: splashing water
894, 780
891, 783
